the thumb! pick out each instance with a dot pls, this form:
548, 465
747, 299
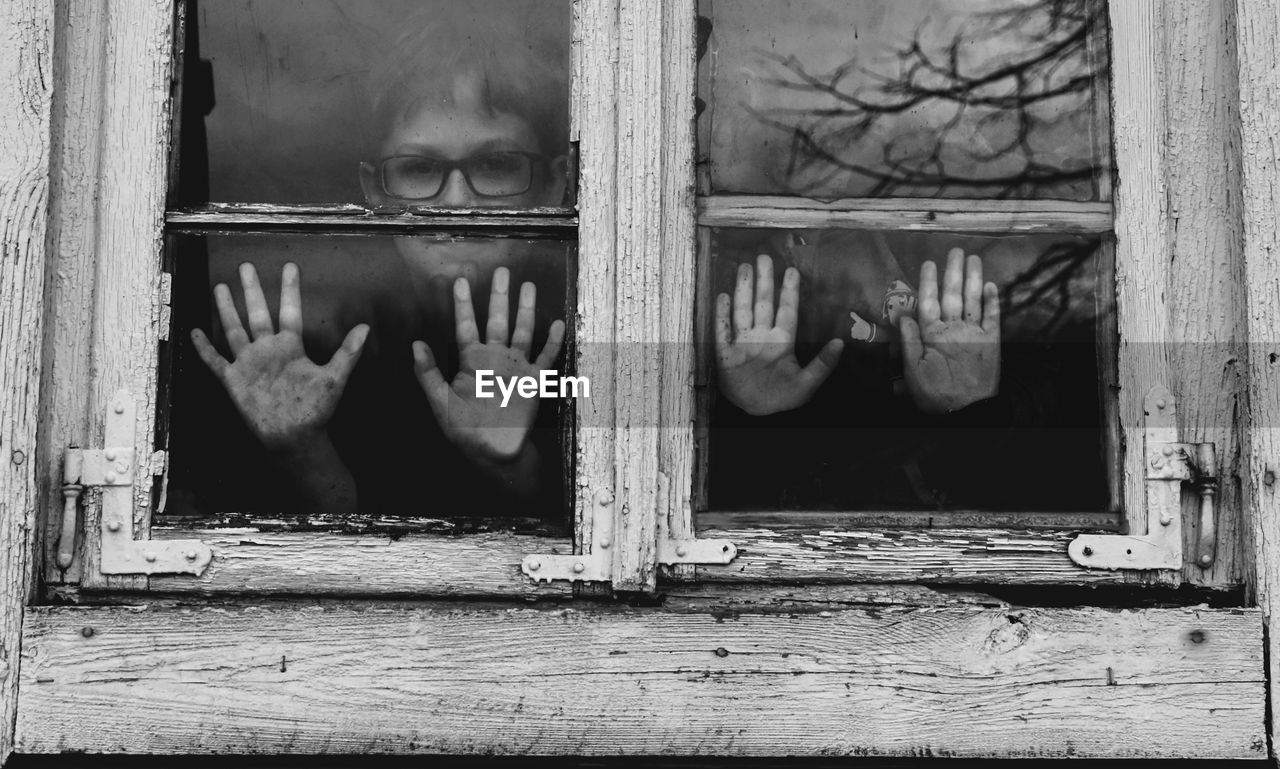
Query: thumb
822, 366
344, 360
912, 345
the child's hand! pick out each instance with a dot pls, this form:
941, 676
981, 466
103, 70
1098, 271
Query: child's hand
951, 356
482, 428
757, 366
286, 398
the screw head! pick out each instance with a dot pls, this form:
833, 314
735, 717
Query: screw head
1167, 451
604, 544
120, 408
191, 555
86, 631
150, 556
111, 455
579, 567
535, 565
113, 526
110, 477
682, 551
1206, 559
1161, 403
606, 498
1088, 551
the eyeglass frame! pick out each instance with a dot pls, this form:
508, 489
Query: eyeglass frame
460, 165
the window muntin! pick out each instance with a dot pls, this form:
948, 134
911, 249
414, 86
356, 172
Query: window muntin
909, 98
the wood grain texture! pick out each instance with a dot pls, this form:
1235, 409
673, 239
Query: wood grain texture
250, 561
679, 275
129, 231
968, 556
594, 127
1206, 290
77, 115
696, 680
26, 103
914, 214
1257, 38
637, 352
1140, 124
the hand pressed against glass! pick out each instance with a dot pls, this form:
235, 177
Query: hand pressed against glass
286, 398
757, 364
482, 428
951, 354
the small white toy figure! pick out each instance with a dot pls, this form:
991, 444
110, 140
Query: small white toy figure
899, 300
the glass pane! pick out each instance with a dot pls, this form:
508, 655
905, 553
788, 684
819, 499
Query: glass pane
917, 98
403, 102
983, 413
271, 426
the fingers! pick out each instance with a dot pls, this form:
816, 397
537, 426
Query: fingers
953, 286
789, 302
464, 315
912, 344
204, 348
290, 300
344, 360
991, 310
742, 313
255, 303
522, 337
499, 308
820, 368
237, 339
928, 310
431, 381
764, 292
973, 290
551, 351
724, 336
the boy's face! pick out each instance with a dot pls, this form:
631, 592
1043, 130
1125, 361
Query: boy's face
460, 129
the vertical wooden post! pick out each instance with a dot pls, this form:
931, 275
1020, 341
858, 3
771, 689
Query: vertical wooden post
1257, 36
26, 69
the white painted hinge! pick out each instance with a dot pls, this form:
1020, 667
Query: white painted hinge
597, 565
113, 470
1168, 464
164, 301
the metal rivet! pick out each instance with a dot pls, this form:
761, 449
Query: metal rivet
604, 544
535, 565
151, 557
578, 568
110, 477
86, 631
682, 551
111, 455
120, 408
1206, 559
1161, 403
113, 526
1168, 451
1165, 520
191, 555
1088, 551
722, 652
606, 498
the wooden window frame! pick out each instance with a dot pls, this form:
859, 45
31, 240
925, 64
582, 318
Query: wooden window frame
759, 670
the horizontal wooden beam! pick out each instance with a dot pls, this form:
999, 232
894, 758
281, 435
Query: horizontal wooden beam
970, 556
694, 678
917, 214
487, 223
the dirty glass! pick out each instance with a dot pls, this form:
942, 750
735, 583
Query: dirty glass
906, 98
825, 398
337, 374
403, 102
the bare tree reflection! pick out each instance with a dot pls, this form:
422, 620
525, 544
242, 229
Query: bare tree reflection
1019, 99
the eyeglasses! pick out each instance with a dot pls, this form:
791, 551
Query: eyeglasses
493, 175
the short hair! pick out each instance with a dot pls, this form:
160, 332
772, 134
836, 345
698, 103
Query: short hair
517, 50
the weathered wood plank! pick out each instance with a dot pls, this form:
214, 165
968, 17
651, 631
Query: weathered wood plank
1257, 37
959, 681
921, 215
129, 230
1206, 291
1140, 124
250, 561
26, 103
363, 223
961, 556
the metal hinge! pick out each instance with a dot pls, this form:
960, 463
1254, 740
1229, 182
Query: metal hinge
113, 470
597, 565
1168, 465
